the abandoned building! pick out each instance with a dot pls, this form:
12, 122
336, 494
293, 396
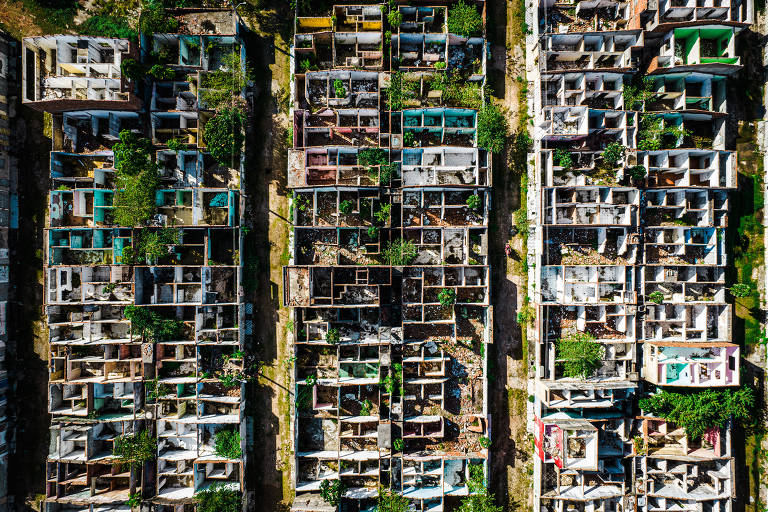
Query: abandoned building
388, 277
144, 317
630, 199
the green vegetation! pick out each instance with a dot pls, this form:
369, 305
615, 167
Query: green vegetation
399, 252
176, 145
398, 444
331, 491
218, 498
227, 444
365, 410
332, 336
473, 202
492, 128
345, 207
485, 442
393, 382
526, 313
105, 25
136, 449
384, 213
740, 290
563, 159
396, 95
395, 18
699, 411
134, 500
150, 325
224, 135
654, 134
464, 20
339, 90
612, 153
132, 69
218, 88
656, 297
154, 19
160, 72
150, 246
482, 502
137, 180
637, 172
457, 91
311, 380
447, 297
636, 93
391, 502
373, 231
580, 355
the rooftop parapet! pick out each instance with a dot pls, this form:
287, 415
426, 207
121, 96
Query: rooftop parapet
681, 13
76, 72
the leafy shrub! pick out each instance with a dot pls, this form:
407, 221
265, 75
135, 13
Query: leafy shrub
135, 449
331, 491
339, 89
409, 139
612, 154
398, 444
581, 355
485, 442
656, 297
224, 135
395, 18
227, 444
439, 65
365, 410
481, 502
492, 128
390, 501
150, 325
740, 290
218, 498
526, 313
698, 411
154, 19
637, 172
447, 297
137, 180
134, 500
373, 231
104, 25
372, 156
311, 380
132, 69
161, 72
399, 252
563, 158
464, 20
383, 213
345, 207
332, 336
473, 202
176, 145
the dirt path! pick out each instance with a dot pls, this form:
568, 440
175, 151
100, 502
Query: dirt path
267, 205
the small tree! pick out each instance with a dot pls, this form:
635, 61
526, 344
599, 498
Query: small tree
580, 355
612, 154
160, 72
464, 20
492, 128
176, 145
135, 450
563, 159
224, 135
218, 498
482, 502
227, 444
395, 18
137, 180
131, 69
740, 290
656, 297
154, 19
447, 297
700, 411
399, 252
390, 501
331, 491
